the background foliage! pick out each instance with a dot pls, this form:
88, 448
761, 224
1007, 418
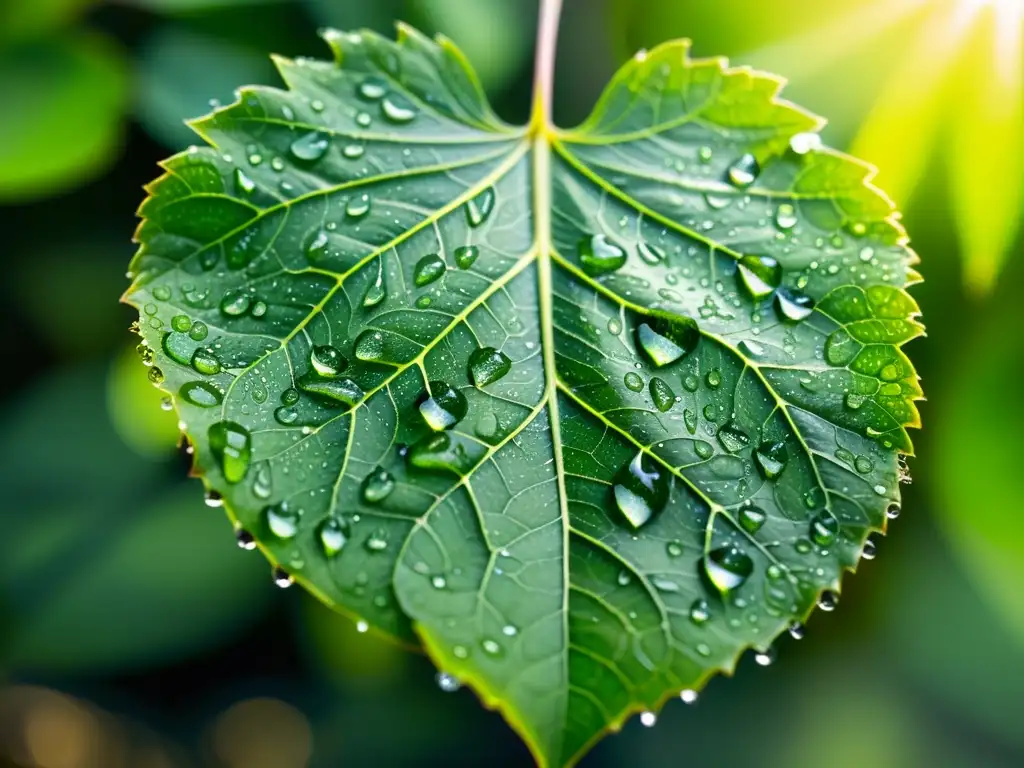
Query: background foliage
133, 632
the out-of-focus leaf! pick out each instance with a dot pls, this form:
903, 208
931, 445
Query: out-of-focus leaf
977, 494
346, 655
20, 19
591, 424
85, 273
97, 573
944, 634
495, 35
379, 15
181, 72
136, 408
986, 152
62, 113
188, 7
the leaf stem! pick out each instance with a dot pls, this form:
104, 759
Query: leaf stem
544, 63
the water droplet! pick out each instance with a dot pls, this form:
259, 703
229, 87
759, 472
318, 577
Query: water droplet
633, 382
199, 331
785, 217
369, 346
376, 291
245, 540
690, 383
623, 578
732, 438
429, 269
599, 255
286, 415
760, 274
353, 151
752, 519
213, 499
509, 630
447, 683
690, 420
648, 719
487, 365
358, 206
376, 541
744, 171
771, 458
649, 253
316, 105
397, 109
662, 395
802, 143
282, 578
439, 582
377, 486
641, 490
491, 647
243, 183
444, 406
234, 304
327, 361
311, 147
828, 601
869, 550
201, 393
282, 520
231, 444
480, 207
727, 568
181, 323
797, 631
372, 88
824, 529
333, 536
765, 657
674, 549
714, 378
362, 627
317, 247
363, 119
688, 696
700, 612
793, 306
705, 154
667, 339
892, 511
465, 255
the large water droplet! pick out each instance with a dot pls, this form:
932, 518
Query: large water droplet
744, 171
633, 381
344, 390
700, 612
204, 361
727, 568
487, 365
649, 253
667, 339
771, 458
444, 406
282, 520
599, 255
245, 540
377, 486
648, 719
372, 88
785, 217
641, 489
732, 437
235, 303
201, 393
397, 109
282, 578
440, 452
824, 530
317, 247
369, 346
231, 444
662, 395
327, 361
752, 519
310, 147
429, 269
793, 306
760, 274
480, 207
358, 206
243, 183
333, 536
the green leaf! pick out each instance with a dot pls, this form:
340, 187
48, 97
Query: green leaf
63, 106
586, 413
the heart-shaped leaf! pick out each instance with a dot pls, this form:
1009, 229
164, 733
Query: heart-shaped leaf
586, 413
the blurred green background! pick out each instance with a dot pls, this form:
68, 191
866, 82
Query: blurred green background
134, 634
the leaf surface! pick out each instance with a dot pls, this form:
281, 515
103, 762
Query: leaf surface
585, 413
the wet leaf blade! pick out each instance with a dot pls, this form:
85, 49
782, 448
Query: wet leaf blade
586, 412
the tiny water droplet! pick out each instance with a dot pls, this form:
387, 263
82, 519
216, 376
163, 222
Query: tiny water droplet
824, 530
282, 578
688, 696
448, 683
397, 109
310, 147
480, 207
752, 519
869, 550
785, 217
892, 511
797, 631
358, 206
213, 499
376, 291
377, 541
828, 601
765, 657
466, 255
802, 143
377, 486
744, 171
333, 536
648, 719
700, 612
245, 540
